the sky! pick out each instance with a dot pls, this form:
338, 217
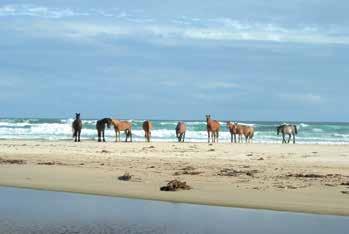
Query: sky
237, 60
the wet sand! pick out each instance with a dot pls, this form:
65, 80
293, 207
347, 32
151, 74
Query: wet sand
301, 178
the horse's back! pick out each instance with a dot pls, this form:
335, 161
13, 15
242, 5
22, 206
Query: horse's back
213, 125
77, 124
181, 127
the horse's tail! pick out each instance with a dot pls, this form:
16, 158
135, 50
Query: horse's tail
295, 129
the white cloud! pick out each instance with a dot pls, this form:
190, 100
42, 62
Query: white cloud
219, 85
308, 98
181, 28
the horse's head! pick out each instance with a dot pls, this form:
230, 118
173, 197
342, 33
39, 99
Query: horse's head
77, 115
208, 117
109, 122
228, 123
278, 129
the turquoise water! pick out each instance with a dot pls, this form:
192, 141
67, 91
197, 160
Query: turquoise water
163, 130
30, 211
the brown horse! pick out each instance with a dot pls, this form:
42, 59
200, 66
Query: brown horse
77, 126
233, 131
213, 127
122, 126
147, 126
180, 131
241, 130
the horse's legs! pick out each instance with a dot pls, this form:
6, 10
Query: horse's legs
130, 135
99, 135
217, 136
103, 136
283, 138
208, 134
183, 137
79, 135
289, 138
294, 138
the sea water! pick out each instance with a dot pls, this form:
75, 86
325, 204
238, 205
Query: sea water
164, 130
31, 211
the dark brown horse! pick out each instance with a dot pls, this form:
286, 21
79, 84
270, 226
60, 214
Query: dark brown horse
77, 126
213, 127
100, 126
180, 131
147, 126
122, 126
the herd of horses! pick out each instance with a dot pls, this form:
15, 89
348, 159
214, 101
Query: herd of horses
237, 131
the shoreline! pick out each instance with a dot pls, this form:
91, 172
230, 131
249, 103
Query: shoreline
92, 168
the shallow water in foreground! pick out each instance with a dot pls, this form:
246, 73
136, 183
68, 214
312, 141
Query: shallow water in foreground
32, 211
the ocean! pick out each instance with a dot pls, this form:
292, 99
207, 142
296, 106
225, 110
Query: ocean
164, 130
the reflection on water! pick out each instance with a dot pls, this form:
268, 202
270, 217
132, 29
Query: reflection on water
30, 211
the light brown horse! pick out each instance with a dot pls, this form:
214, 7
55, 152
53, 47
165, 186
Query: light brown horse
147, 126
213, 127
233, 131
122, 126
180, 131
241, 130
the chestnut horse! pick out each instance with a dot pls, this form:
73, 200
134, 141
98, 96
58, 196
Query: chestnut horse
180, 131
241, 130
213, 127
122, 126
147, 126
233, 131
77, 126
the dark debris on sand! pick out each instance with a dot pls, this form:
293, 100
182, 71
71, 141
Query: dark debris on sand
233, 172
12, 161
188, 170
300, 175
51, 163
175, 185
125, 177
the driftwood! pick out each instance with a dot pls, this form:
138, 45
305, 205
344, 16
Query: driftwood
175, 185
233, 172
12, 161
125, 177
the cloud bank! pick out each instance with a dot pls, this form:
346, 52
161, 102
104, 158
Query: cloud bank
117, 23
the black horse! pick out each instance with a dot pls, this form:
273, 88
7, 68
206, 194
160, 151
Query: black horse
100, 126
77, 126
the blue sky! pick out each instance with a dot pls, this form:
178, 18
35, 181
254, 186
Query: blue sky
245, 60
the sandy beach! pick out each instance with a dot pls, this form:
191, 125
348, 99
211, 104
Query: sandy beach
300, 178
